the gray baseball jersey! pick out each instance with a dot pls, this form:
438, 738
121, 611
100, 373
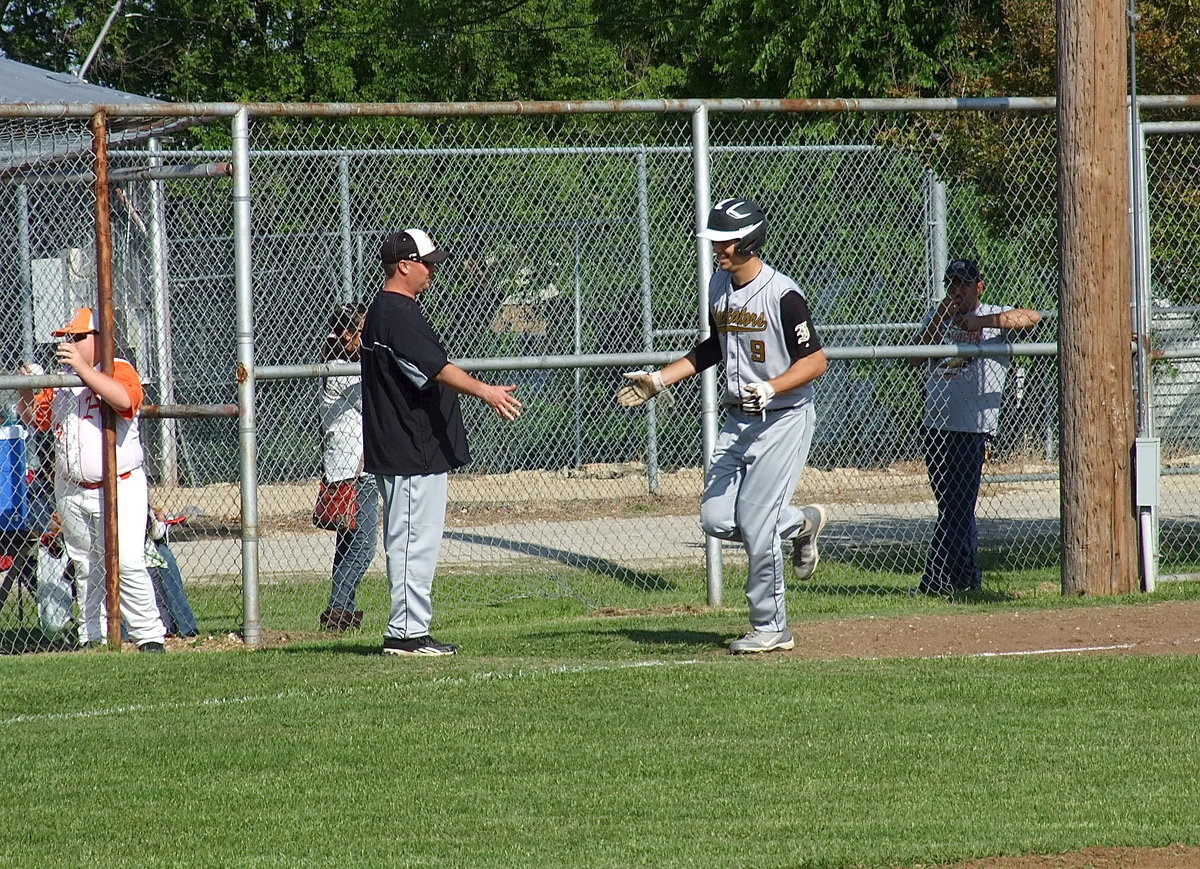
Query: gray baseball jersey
760, 329
763, 327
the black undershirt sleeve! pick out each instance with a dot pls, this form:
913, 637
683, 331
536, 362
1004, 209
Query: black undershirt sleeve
707, 353
799, 332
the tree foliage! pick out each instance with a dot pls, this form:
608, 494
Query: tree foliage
350, 50
1021, 48
355, 50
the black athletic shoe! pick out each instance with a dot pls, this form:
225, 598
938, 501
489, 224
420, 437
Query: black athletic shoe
338, 620
416, 646
156, 648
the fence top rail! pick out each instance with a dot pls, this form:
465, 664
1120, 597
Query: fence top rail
557, 107
1170, 127
551, 107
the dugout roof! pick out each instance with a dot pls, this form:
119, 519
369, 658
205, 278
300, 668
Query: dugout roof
27, 142
22, 83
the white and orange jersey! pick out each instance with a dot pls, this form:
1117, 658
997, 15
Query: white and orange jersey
74, 415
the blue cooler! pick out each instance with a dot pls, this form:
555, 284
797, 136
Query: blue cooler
14, 491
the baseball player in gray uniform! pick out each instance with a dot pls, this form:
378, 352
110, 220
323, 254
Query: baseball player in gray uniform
760, 326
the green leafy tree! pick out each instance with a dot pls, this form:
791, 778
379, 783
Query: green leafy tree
804, 48
42, 33
316, 50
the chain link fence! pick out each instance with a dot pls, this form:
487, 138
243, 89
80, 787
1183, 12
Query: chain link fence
1172, 161
573, 236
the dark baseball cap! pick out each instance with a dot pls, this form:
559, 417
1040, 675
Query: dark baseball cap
411, 244
964, 270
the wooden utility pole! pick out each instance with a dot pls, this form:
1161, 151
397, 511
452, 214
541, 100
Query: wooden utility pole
1096, 426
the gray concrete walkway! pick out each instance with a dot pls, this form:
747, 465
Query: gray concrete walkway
629, 542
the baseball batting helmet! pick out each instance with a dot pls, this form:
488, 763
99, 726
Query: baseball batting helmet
737, 218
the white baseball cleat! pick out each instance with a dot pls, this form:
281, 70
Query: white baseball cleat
763, 641
804, 551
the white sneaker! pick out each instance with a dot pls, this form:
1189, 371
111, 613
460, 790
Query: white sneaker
804, 550
763, 641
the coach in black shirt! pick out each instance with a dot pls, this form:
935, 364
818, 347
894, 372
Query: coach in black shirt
413, 433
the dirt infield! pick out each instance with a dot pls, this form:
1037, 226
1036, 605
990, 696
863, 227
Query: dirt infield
1170, 857
1168, 628
1165, 628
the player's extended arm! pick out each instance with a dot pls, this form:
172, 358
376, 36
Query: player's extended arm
644, 385
498, 398
680, 369
1018, 319
1013, 320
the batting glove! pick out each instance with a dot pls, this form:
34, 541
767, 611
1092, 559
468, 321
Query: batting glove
643, 386
756, 397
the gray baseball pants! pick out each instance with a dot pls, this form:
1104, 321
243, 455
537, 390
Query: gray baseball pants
756, 466
414, 514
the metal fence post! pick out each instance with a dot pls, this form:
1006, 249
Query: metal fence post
25, 274
577, 339
247, 434
344, 227
161, 306
709, 405
647, 314
1146, 446
935, 209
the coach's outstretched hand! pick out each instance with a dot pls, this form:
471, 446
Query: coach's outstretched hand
502, 400
642, 386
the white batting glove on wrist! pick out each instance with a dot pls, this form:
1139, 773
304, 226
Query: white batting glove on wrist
756, 397
642, 386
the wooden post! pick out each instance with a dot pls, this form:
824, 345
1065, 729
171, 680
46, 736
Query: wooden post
1099, 544
103, 314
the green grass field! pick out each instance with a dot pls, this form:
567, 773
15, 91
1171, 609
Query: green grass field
559, 738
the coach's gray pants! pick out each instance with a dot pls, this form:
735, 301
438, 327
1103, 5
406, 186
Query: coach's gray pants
756, 466
414, 514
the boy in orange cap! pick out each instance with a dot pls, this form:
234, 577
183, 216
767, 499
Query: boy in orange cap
74, 414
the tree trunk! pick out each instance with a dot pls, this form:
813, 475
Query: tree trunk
1099, 544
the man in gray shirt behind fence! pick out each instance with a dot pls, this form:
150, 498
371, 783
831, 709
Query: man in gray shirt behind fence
962, 410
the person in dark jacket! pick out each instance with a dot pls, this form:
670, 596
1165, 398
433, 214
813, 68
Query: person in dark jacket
413, 433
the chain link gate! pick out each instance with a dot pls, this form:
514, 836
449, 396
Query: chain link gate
573, 237
1169, 149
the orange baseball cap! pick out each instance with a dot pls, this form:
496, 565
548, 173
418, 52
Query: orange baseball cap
81, 324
